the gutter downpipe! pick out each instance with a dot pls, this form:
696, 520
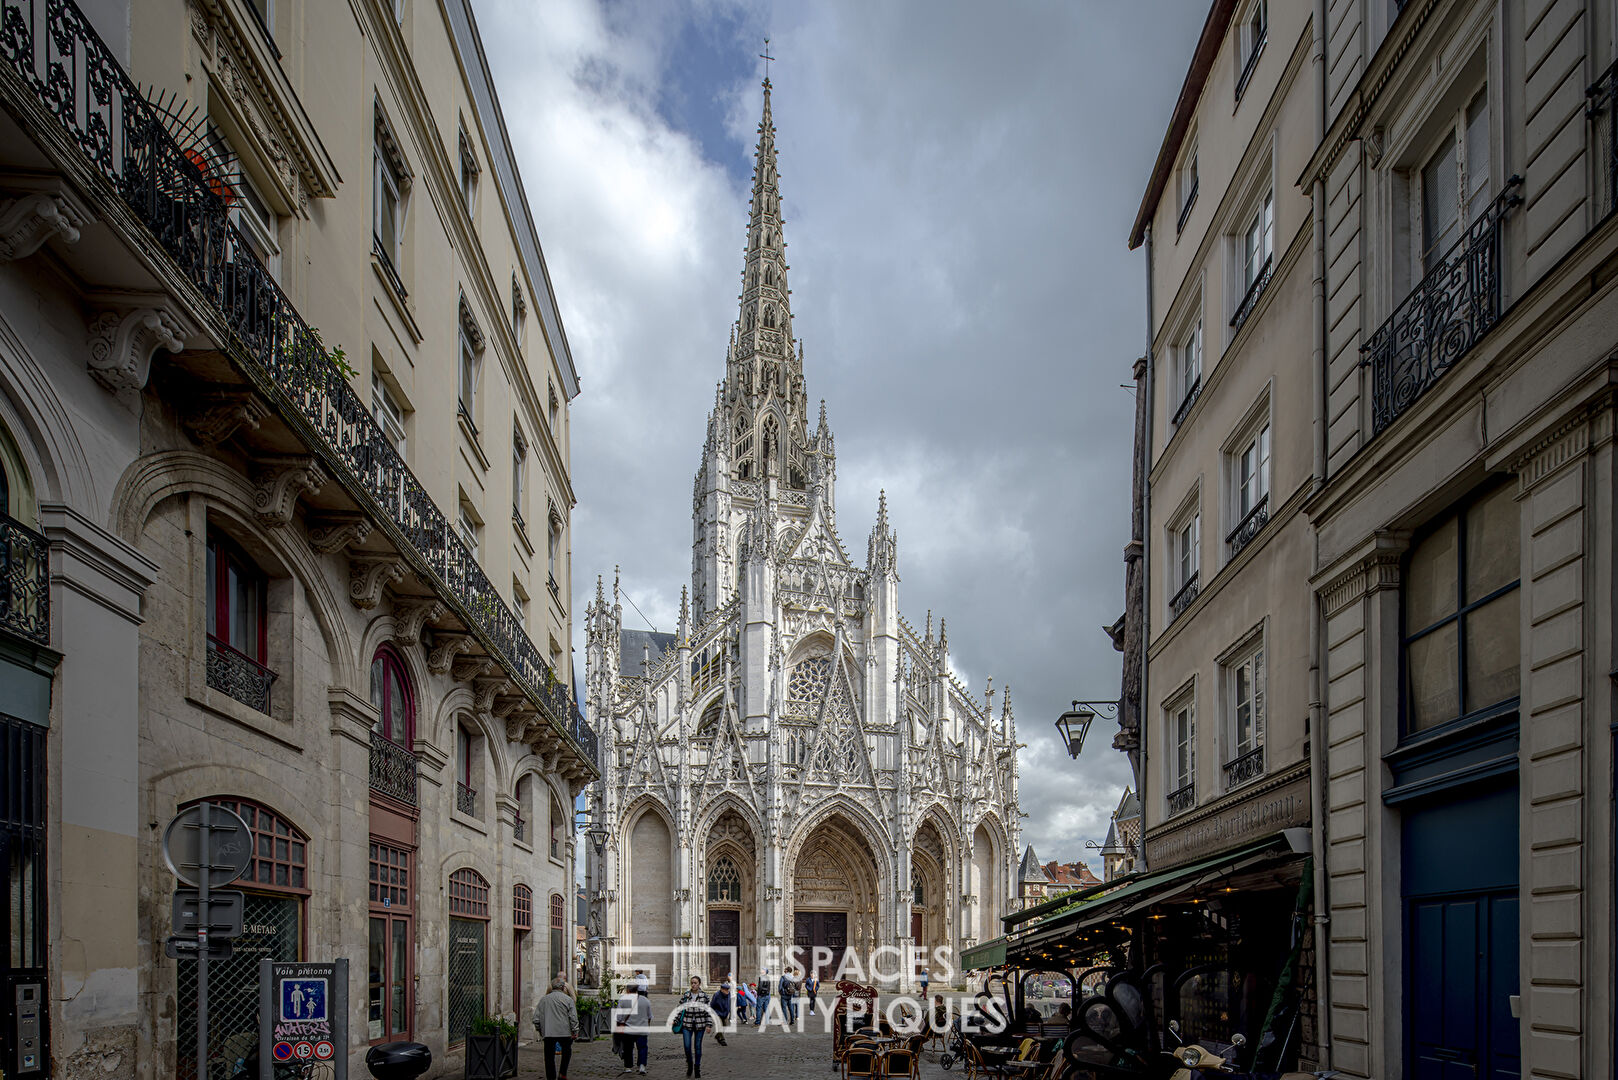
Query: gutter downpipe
1317, 708
1146, 555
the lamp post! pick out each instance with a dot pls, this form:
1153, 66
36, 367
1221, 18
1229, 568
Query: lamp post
597, 834
1074, 724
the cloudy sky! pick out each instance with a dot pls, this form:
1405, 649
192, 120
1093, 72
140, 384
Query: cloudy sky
958, 181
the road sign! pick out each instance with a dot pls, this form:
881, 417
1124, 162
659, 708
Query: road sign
324, 1051
230, 845
281, 1051
184, 947
303, 1051
303, 1000
224, 912
303, 1014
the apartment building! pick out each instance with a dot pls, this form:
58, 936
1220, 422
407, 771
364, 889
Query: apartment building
1463, 566
284, 433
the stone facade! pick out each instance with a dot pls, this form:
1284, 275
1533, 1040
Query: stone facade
283, 577
795, 753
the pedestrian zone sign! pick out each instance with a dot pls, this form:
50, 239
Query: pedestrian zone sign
303, 1000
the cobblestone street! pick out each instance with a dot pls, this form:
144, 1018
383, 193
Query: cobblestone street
751, 1053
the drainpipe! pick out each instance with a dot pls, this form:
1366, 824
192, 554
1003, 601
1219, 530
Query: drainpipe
1317, 629
1143, 727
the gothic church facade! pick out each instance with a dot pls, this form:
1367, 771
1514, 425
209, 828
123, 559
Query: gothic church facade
796, 765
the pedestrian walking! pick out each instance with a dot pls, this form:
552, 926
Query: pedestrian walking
633, 1019
924, 984
556, 1019
811, 987
789, 1004
722, 1003
763, 988
694, 1022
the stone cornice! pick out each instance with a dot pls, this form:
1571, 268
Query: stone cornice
351, 715
1585, 429
1377, 569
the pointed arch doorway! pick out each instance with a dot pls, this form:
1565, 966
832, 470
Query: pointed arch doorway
834, 897
728, 891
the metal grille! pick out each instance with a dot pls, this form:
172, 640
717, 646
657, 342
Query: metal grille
468, 968
393, 769
271, 927
239, 676
25, 597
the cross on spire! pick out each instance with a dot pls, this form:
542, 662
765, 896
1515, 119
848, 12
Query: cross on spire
766, 57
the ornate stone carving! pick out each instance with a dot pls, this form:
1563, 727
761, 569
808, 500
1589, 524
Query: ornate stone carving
122, 341
409, 616
470, 667
332, 532
447, 645
277, 483
219, 414
28, 221
369, 575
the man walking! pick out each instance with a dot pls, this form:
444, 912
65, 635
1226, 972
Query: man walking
789, 1004
722, 1002
763, 996
556, 1019
811, 987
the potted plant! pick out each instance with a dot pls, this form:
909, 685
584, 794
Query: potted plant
589, 1016
491, 1049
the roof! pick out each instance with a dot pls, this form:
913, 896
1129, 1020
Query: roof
1128, 806
637, 648
1030, 870
1213, 35
1070, 874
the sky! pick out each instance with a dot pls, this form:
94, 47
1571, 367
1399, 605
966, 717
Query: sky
958, 181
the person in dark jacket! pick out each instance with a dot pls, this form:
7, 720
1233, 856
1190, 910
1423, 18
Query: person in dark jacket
789, 991
722, 1002
763, 1004
695, 1020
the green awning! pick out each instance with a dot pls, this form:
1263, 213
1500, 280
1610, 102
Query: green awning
1059, 904
991, 953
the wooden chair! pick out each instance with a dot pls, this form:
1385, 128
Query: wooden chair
977, 1065
900, 1062
861, 1060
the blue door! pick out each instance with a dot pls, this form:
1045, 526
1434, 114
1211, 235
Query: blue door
1461, 933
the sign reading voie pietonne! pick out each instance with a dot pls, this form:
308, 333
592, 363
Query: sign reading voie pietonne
304, 1012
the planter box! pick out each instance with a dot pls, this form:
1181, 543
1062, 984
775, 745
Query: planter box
588, 1025
489, 1057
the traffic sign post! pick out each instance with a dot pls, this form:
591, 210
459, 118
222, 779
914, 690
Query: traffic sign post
206, 846
303, 1015
224, 912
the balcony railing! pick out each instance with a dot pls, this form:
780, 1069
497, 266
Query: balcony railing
1249, 527
1182, 799
393, 769
466, 799
1603, 114
1183, 598
1191, 396
1254, 291
238, 676
74, 78
25, 582
519, 828
1249, 766
1447, 313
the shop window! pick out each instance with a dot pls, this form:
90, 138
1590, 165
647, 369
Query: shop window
1462, 641
467, 991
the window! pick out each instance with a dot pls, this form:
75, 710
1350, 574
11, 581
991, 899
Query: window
519, 474
466, 792
522, 908
1243, 672
557, 820
467, 997
519, 601
555, 407
1187, 371
280, 849
469, 173
1249, 479
467, 524
558, 926
519, 311
1185, 550
553, 546
469, 894
390, 183
1454, 183
249, 211
1258, 243
467, 364
388, 412
1186, 181
236, 600
724, 882
1251, 35
1182, 761
390, 875
390, 694
1461, 605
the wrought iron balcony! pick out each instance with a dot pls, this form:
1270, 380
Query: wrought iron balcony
1603, 114
239, 676
1249, 766
393, 769
1249, 527
519, 828
1445, 315
1185, 208
466, 799
1254, 291
78, 84
1184, 598
1182, 799
1191, 396
550, 583
25, 582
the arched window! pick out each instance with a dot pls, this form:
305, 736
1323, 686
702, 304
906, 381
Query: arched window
919, 894
468, 894
390, 693
468, 959
769, 440
560, 964
238, 629
709, 723
556, 828
724, 882
769, 316
522, 908
769, 275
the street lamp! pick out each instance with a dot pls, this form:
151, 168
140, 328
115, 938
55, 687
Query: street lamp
597, 834
1074, 724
